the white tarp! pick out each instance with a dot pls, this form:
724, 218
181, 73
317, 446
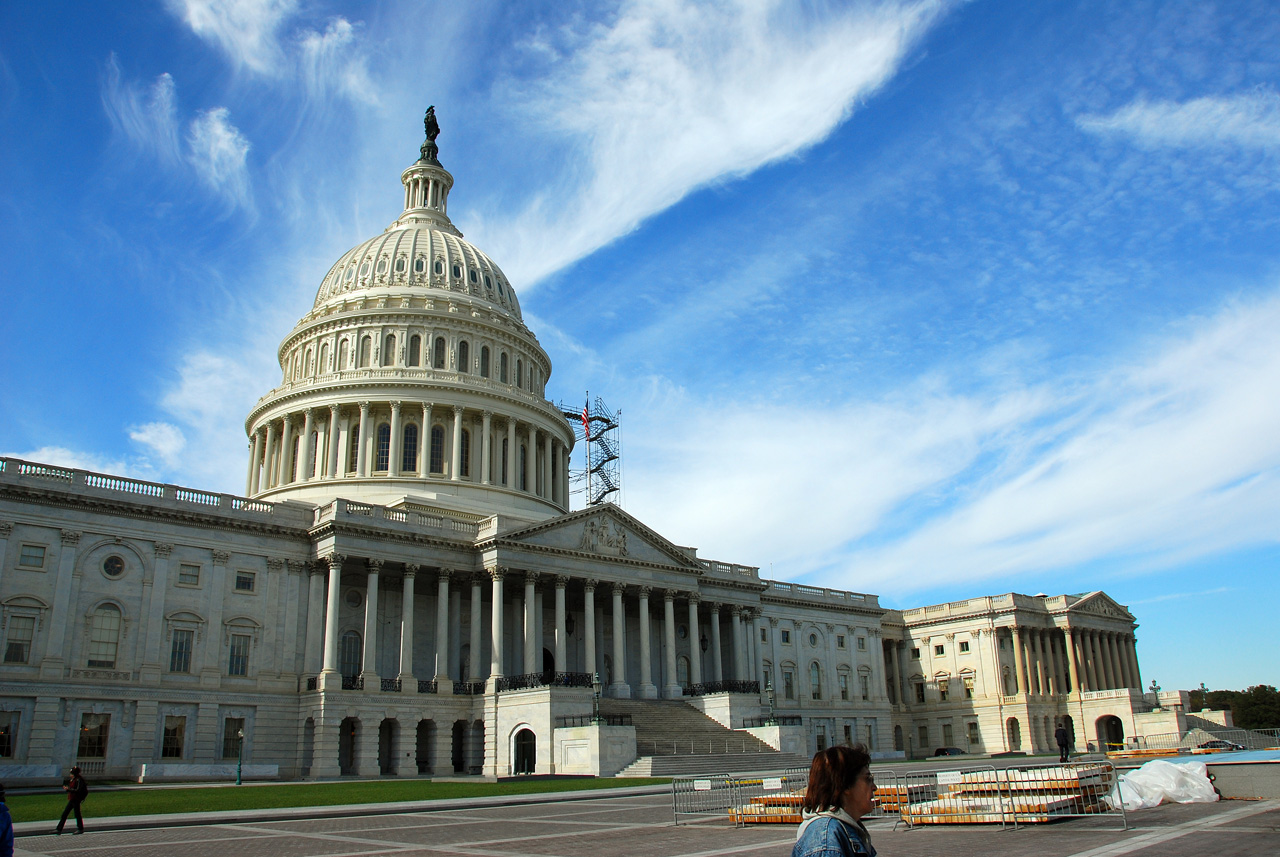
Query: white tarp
1158, 781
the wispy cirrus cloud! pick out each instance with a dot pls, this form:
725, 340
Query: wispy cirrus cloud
146, 116
1250, 120
668, 96
245, 30
162, 439
219, 152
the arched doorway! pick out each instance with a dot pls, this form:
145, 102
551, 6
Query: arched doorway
525, 759
459, 748
548, 666
1014, 730
347, 746
308, 746
682, 671
897, 739
1110, 732
387, 746
422, 752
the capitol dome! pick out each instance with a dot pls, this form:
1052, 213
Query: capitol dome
413, 379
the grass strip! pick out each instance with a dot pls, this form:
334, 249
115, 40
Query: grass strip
103, 804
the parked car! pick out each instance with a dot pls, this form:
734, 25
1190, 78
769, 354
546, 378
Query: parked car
948, 751
1219, 744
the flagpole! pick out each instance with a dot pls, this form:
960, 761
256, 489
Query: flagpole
586, 433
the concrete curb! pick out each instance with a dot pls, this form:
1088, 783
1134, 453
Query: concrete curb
136, 822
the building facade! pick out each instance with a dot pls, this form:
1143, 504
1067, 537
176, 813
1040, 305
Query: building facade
404, 590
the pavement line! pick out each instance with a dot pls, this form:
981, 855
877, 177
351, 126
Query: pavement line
1155, 837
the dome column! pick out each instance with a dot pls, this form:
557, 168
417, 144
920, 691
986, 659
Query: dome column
424, 441
362, 456
267, 456
512, 458
530, 461
305, 460
455, 468
546, 467
397, 442
284, 460
332, 437
251, 482
486, 449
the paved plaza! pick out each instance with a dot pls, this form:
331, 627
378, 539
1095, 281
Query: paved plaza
641, 825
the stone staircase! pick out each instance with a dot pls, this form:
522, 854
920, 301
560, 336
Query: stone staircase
675, 739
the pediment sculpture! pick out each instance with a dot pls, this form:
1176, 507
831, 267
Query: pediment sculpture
600, 535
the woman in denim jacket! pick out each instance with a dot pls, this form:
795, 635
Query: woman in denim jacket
841, 791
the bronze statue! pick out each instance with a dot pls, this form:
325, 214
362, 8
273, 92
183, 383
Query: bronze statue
429, 148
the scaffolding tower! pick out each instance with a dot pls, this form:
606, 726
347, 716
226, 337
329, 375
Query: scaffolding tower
599, 432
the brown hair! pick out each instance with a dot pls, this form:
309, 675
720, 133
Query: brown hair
832, 773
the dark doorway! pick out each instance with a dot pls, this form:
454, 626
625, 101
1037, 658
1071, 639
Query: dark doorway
548, 666
1110, 733
347, 746
422, 752
526, 760
459, 751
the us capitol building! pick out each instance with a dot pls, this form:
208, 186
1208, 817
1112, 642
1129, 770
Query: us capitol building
403, 590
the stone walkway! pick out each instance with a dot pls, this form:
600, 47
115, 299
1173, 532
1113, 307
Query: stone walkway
641, 825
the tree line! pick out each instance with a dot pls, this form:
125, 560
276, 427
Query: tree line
1255, 708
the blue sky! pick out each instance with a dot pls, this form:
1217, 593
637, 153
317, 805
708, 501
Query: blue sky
930, 300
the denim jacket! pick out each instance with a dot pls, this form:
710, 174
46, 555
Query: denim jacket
832, 833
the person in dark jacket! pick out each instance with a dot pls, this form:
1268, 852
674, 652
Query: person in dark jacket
6, 828
76, 791
841, 791
1061, 737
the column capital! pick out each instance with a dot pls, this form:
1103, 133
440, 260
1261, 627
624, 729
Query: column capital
831, 629
618, 588
715, 607
364, 408
562, 580
275, 563
532, 577
162, 550
644, 591
444, 573
694, 598
373, 564
287, 420
221, 557
589, 584
70, 537
457, 409
411, 569
487, 414
496, 572
773, 621
334, 560
6, 527
395, 407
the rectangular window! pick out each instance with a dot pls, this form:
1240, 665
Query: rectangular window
939, 650
238, 663
175, 730
964, 647
869, 730
232, 737
189, 574
923, 733
948, 737
104, 637
844, 686
915, 654
245, 581
822, 738
919, 691
862, 644
786, 636
180, 654
943, 687
848, 734
94, 729
1002, 644
764, 635
975, 738
32, 556
788, 685
968, 687
864, 683
839, 641
8, 733
17, 647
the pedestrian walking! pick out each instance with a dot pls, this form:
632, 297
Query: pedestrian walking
841, 791
6, 827
1061, 736
77, 790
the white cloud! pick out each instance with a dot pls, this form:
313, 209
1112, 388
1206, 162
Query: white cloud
148, 118
244, 29
1173, 456
219, 152
670, 96
162, 439
60, 456
331, 62
1250, 120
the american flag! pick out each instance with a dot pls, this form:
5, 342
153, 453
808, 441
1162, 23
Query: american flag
586, 426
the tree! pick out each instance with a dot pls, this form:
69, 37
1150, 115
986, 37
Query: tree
1255, 708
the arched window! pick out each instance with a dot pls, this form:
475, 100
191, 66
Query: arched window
323, 367
409, 458
465, 466
437, 449
415, 350
383, 461
520, 374
366, 345
351, 655
815, 681
524, 468
502, 368
389, 350
438, 360
104, 636
293, 459
484, 361
314, 454
353, 456
309, 364
343, 355
504, 460
464, 356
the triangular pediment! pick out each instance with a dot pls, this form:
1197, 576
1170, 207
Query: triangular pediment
1100, 604
602, 531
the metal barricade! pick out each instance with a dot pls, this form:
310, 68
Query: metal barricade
768, 798
1041, 793
706, 794
970, 795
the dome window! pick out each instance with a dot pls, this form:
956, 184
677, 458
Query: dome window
439, 267
382, 266
464, 357
500, 292
471, 275
457, 272
488, 284
351, 273
415, 350
399, 266
364, 269
420, 265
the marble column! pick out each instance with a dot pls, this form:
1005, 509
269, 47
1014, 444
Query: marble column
736, 618
530, 460
370, 657
695, 652
408, 684
513, 479
671, 688
486, 447
531, 646
647, 688
455, 467
496, 574
1073, 669
285, 458
1133, 658
334, 561
1117, 673
250, 482
314, 658
1019, 661
362, 451
395, 452
335, 447
546, 466
305, 456
717, 661
443, 684
619, 688
474, 671
589, 626
268, 450
562, 649
1085, 639
424, 442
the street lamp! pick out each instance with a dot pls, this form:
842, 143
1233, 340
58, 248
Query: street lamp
595, 697
703, 643
239, 755
772, 697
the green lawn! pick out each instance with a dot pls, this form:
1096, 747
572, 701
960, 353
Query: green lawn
213, 799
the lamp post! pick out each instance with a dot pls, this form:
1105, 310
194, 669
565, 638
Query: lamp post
595, 697
773, 698
239, 755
